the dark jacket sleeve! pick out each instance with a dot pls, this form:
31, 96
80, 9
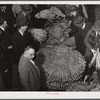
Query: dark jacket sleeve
86, 41
73, 31
15, 50
78, 39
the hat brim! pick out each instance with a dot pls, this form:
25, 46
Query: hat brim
19, 25
27, 11
79, 24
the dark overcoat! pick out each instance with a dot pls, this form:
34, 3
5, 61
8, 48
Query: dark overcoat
80, 36
19, 43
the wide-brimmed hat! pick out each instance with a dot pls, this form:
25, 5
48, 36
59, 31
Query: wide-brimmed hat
69, 9
79, 21
21, 22
27, 8
96, 25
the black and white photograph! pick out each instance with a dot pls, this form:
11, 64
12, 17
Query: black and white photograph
50, 47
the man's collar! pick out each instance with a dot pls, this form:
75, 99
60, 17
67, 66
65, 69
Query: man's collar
2, 28
24, 13
21, 32
2, 10
83, 27
97, 33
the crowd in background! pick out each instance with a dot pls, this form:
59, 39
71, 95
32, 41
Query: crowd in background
16, 20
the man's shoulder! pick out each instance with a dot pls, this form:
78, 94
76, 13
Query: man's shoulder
1, 31
16, 35
22, 61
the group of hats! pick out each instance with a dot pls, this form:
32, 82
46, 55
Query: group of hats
79, 21
21, 21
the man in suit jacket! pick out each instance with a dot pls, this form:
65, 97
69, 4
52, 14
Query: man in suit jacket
5, 60
83, 26
6, 12
28, 72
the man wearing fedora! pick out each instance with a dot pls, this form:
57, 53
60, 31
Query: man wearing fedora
25, 13
83, 26
72, 11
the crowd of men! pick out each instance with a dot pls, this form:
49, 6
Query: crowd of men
17, 46
15, 20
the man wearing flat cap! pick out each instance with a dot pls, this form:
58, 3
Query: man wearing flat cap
75, 10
